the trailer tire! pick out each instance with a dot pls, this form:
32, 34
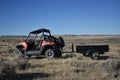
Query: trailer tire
95, 55
87, 54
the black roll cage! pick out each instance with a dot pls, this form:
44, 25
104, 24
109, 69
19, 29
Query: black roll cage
36, 32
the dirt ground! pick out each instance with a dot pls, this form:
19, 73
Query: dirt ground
71, 66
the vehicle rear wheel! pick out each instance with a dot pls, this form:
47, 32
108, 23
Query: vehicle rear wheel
95, 55
49, 53
18, 54
61, 41
58, 53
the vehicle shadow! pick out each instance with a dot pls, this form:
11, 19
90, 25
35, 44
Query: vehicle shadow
68, 55
24, 76
103, 57
41, 57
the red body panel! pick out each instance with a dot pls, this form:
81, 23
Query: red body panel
24, 44
47, 43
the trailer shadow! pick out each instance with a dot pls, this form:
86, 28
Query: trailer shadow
103, 57
24, 76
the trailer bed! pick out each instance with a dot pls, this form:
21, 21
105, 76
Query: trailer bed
85, 48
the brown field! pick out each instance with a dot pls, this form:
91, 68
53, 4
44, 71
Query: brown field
71, 66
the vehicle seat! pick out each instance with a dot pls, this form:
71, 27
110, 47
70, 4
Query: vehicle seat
30, 44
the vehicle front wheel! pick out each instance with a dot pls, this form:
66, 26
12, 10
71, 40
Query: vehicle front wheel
18, 54
49, 53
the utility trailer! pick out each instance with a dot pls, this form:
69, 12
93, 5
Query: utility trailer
92, 51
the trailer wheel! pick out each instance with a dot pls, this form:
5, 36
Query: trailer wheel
95, 55
49, 53
87, 54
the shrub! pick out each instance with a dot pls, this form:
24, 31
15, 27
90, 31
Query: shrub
111, 65
9, 67
23, 64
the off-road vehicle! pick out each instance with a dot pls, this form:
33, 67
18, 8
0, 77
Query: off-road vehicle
40, 42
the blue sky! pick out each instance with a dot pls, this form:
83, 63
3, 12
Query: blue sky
19, 17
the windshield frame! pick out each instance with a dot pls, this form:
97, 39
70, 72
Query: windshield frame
33, 36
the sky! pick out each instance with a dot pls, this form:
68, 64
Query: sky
77, 17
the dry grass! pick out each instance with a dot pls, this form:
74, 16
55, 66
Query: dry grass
72, 66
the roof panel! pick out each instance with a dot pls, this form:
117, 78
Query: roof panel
40, 31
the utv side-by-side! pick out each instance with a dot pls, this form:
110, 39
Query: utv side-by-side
40, 42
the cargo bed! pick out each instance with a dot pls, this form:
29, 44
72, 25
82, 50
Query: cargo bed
93, 51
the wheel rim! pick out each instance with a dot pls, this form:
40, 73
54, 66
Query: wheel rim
95, 55
49, 54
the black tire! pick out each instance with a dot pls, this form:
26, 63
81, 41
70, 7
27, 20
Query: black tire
49, 53
86, 54
18, 54
27, 56
61, 41
95, 55
58, 54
